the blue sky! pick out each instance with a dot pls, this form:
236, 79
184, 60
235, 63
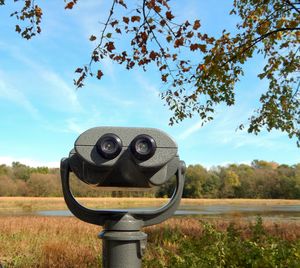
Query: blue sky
41, 113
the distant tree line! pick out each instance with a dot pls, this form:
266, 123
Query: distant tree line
260, 179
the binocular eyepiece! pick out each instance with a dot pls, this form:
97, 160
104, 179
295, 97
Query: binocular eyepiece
124, 157
110, 146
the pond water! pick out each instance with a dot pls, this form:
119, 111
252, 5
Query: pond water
278, 212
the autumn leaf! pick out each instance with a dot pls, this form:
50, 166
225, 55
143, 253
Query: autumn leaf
196, 25
194, 47
93, 38
144, 36
144, 49
169, 15
18, 29
79, 70
157, 9
126, 20
135, 18
179, 42
162, 23
121, 2
114, 23
38, 11
152, 55
169, 38
164, 77
99, 74
163, 67
69, 5
110, 46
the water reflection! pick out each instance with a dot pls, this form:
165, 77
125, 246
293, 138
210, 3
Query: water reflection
286, 212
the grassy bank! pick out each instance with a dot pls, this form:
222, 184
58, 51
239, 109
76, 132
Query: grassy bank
179, 242
26, 204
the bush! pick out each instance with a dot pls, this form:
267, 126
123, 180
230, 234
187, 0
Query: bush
214, 248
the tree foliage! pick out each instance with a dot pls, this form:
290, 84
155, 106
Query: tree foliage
261, 179
200, 71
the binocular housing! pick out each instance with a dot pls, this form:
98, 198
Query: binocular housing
124, 157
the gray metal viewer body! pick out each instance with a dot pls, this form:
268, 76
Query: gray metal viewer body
130, 158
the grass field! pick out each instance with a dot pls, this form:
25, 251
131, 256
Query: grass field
28, 204
36, 241
67, 242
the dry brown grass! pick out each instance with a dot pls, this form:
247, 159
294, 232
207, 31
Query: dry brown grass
67, 242
48, 242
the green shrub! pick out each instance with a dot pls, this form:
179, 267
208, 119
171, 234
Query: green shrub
216, 249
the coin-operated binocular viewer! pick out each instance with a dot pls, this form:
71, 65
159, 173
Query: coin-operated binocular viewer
129, 158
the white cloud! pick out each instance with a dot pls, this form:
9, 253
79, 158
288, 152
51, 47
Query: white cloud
57, 91
74, 126
190, 131
113, 96
8, 92
7, 160
223, 130
65, 97
149, 87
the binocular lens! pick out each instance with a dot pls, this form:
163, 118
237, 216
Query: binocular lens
143, 147
109, 146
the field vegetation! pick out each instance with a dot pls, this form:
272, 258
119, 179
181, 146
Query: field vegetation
179, 242
35, 241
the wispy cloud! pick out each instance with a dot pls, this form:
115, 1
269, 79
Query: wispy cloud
72, 125
113, 96
149, 87
56, 89
9, 92
63, 93
223, 130
190, 131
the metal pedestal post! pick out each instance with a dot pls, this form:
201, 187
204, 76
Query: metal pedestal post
123, 243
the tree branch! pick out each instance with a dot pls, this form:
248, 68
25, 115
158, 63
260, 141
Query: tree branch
155, 38
259, 39
292, 5
111, 12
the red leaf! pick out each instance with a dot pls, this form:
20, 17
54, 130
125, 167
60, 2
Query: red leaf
114, 23
135, 18
99, 74
144, 49
162, 23
79, 70
157, 9
152, 55
163, 67
169, 15
196, 25
194, 47
164, 77
69, 5
179, 42
126, 20
144, 36
110, 46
